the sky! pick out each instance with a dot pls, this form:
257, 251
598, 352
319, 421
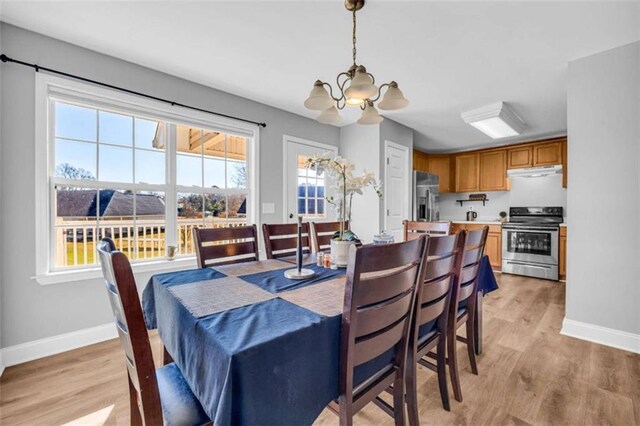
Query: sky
117, 140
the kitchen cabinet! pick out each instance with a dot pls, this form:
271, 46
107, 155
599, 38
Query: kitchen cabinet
440, 165
420, 160
493, 171
493, 247
520, 157
467, 172
563, 253
547, 154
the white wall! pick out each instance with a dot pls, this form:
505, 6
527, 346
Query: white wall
1, 198
544, 191
360, 145
603, 244
31, 311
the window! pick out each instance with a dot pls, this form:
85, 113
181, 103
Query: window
144, 177
310, 191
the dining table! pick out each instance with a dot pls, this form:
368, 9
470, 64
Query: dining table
253, 346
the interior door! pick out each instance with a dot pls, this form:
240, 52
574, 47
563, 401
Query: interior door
305, 189
396, 188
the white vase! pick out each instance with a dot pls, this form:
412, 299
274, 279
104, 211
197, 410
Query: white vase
340, 252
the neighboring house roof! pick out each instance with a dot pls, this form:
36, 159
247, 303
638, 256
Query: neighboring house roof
83, 203
243, 207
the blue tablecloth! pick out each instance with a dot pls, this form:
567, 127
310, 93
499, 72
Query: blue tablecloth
270, 363
275, 281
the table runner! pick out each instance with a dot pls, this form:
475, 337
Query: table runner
275, 281
254, 267
209, 297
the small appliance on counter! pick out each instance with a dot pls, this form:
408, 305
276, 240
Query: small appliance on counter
383, 238
425, 197
530, 242
471, 216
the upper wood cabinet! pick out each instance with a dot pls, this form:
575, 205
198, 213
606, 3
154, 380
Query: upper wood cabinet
440, 165
420, 161
467, 175
520, 157
547, 154
493, 171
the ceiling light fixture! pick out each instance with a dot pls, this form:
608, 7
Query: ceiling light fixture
361, 92
496, 120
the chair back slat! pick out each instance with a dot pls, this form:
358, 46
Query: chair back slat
413, 229
439, 277
378, 305
472, 254
468, 279
379, 316
281, 240
469, 273
222, 246
323, 233
132, 332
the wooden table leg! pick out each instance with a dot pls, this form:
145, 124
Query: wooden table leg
478, 322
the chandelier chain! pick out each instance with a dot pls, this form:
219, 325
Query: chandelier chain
354, 37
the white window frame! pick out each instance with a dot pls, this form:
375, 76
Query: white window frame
50, 88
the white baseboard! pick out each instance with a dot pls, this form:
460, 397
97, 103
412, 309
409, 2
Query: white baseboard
602, 335
29, 351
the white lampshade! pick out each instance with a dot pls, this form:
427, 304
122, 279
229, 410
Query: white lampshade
393, 98
319, 98
370, 115
329, 116
361, 86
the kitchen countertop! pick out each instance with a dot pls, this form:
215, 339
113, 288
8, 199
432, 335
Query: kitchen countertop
478, 222
563, 225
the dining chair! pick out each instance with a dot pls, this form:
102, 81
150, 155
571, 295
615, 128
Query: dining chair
438, 277
223, 246
463, 306
323, 232
378, 306
281, 240
413, 229
155, 396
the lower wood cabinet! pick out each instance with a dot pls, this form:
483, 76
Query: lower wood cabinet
493, 247
562, 268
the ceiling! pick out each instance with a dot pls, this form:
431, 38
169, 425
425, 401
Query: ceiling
448, 57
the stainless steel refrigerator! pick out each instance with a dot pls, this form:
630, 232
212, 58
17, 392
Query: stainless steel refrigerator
425, 197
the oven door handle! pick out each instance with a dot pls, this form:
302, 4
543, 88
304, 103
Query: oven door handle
529, 229
528, 265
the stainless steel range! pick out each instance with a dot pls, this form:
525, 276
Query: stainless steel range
530, 242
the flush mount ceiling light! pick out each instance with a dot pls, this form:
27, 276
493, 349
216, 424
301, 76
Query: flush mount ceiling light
496, 120
361, 91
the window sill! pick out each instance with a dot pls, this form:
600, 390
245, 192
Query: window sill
160, 266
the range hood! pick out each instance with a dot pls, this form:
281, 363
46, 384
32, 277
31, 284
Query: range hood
531, 172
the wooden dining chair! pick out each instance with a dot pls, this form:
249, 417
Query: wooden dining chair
438, 278
281, 240
223, 246
463, 306
413, 229
378, 306
323, 232
155, 396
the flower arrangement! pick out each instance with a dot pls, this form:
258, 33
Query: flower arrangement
344, 185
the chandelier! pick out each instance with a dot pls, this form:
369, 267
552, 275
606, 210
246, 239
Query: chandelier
361, 91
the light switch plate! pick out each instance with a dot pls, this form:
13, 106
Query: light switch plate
268, 208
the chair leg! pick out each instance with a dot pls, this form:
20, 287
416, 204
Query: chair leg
135, 418
453, 364
398, 400
442, 373
166, 357
412, 391
471, 349
346, 416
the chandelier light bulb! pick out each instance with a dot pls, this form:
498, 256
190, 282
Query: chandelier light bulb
370, 115
354, 102
393, 98
319, 99
329, 116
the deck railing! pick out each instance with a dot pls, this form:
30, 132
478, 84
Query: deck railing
139, 240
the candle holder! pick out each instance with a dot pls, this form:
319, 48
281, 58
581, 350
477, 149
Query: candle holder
299, 273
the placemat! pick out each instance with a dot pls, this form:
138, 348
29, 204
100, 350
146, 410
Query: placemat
276, 282
253, 267
209, 297
326, 298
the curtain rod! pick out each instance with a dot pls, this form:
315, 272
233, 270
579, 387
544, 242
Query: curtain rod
38, 68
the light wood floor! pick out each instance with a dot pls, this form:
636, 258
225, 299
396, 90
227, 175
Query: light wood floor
529, 374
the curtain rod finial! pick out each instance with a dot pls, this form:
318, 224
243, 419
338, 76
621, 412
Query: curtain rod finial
4, 58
